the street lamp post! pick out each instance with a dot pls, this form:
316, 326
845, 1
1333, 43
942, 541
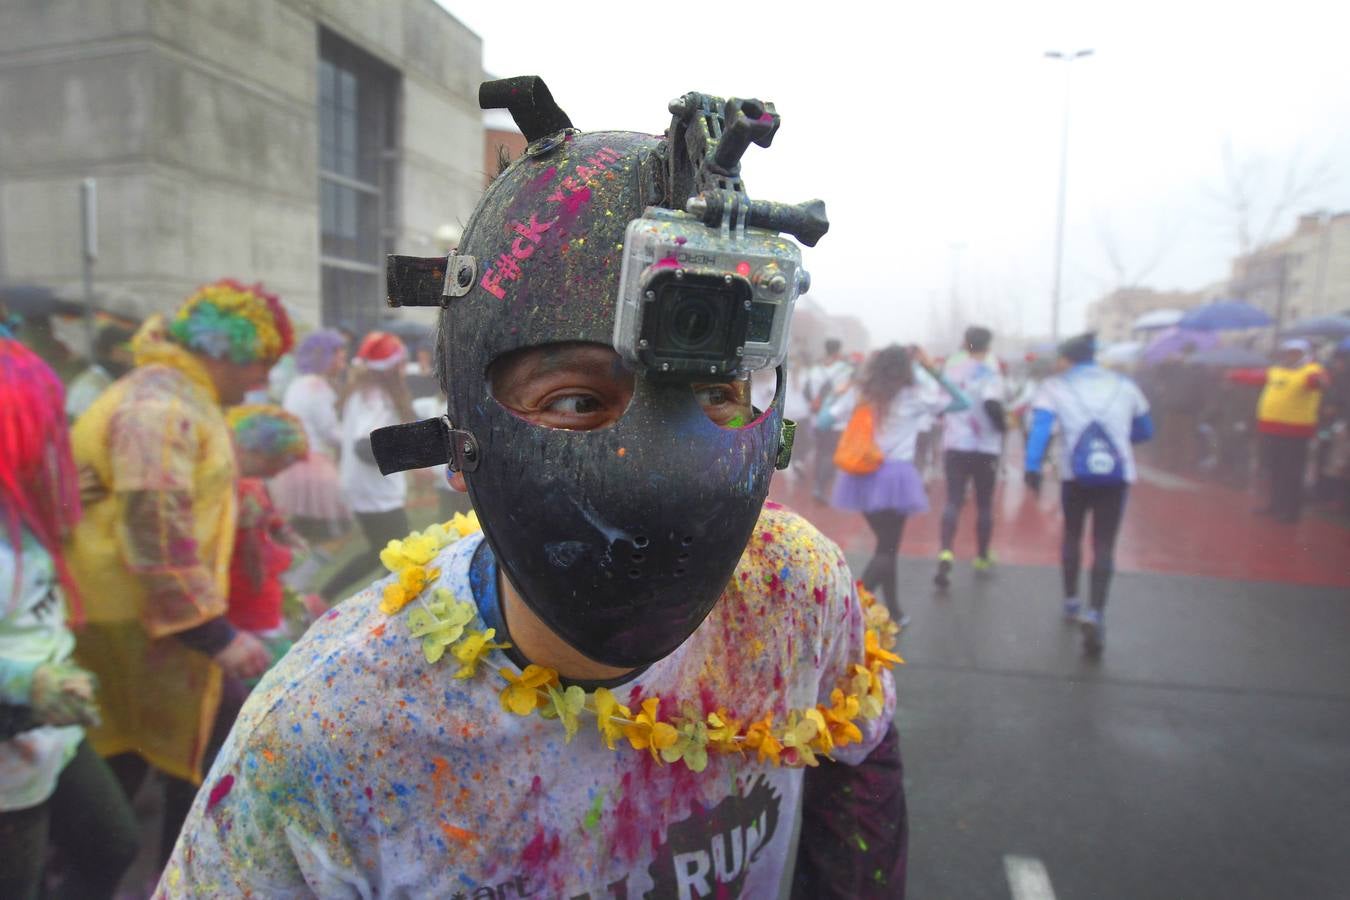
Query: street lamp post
1063, 186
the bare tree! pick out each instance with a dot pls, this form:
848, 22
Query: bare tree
1256, 202
1126, 272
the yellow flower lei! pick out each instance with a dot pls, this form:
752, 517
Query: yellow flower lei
798, 740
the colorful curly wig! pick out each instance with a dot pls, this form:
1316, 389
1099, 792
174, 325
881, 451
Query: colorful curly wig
269, 431
240, 323
39, 489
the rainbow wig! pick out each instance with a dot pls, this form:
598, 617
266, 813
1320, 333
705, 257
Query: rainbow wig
315, 353
269, 431
39, 489
230, 321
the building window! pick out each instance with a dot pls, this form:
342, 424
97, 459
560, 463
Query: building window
358, 161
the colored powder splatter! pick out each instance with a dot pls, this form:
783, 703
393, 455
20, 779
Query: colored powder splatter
574, 202
593, 814
862, 844
458, 835
737, 422
541, 849
220, 791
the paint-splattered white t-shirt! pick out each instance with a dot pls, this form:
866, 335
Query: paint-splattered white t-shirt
360, 770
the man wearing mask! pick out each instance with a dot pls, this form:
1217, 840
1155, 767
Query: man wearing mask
614, 690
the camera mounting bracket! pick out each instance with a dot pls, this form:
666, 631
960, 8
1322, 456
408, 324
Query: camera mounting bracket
708, 136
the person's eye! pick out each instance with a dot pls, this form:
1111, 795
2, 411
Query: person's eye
713, 395
725, 404
574, 405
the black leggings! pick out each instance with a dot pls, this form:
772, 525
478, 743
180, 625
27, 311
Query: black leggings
1107, 505
982, 469
889, 526
88, 817
379, 528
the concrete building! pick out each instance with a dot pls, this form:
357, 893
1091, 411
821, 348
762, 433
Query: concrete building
1304, 274
289, 141
1113, 315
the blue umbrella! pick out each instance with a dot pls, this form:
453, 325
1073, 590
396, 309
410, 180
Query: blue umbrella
1320, 326
1225, 315
1176, 341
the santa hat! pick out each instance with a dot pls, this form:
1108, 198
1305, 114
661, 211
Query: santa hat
381, 351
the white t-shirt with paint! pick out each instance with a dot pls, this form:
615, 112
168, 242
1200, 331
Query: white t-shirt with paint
972, 430
366, 490
32, 631
312, 400
358, 769
911, 411
1089, 393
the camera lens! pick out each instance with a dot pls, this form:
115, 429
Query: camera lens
693, 319
694, 324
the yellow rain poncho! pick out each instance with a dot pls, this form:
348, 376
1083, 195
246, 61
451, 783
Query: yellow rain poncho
152, 554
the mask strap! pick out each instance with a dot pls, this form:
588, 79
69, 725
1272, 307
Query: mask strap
421, 445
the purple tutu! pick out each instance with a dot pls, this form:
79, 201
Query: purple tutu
896, 486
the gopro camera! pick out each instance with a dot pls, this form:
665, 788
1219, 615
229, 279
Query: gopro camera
699, 302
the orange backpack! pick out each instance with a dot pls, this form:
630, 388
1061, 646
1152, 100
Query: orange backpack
857, 452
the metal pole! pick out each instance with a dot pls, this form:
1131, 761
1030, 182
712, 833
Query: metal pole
1063, 189
89, 231
1059, 216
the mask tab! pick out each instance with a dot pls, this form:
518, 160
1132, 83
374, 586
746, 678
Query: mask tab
420, 445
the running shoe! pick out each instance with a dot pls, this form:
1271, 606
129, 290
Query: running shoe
1094, 630
943, 578
983, 564
1071, 610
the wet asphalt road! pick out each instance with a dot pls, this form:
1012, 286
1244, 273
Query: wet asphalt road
1206, 755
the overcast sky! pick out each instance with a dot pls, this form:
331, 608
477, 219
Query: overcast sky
932, 131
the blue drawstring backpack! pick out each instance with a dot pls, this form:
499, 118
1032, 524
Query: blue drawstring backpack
1095, 460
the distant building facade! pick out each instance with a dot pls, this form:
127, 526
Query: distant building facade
1113, 315
1304, 274
294, 142
812, 325
502, 142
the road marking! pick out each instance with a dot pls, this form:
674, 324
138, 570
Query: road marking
1027, 878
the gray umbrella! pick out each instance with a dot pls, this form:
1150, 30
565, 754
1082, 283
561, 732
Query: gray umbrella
1229, 358
32, 301
1333, 327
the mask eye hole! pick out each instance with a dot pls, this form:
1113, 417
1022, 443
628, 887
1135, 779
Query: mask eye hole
567, 386
738, 403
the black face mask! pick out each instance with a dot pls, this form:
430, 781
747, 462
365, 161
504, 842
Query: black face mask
620, 539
